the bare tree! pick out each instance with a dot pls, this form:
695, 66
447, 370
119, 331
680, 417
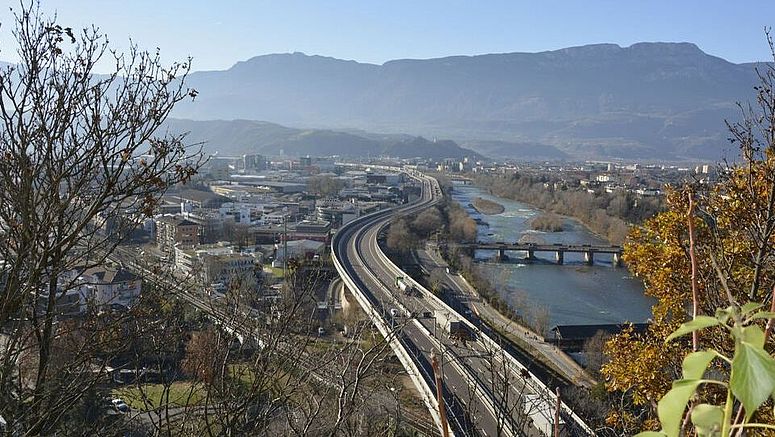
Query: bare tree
427, 222
510, 391
436, 279
400, 238
541, 318
81, 165
593, 353
259, 368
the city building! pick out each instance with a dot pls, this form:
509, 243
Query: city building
210, 223
68, 303
96, 287
172, 231
196, 198
112, 286
305, 162
336, 212
297, 249
219, 263
316, 230
389, 179
251, 163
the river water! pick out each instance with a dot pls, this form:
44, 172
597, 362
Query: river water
574, 293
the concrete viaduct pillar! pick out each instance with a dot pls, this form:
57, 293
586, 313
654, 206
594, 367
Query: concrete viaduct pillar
559, 256
589, 257
617, 259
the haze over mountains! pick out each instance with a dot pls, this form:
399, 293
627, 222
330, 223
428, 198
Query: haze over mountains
237, 137
649, 100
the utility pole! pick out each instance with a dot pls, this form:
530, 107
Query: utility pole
439, 394
557, 414
285, 246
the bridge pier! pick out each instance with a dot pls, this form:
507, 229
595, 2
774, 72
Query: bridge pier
589, 257
617, 260
531, 254
501, 255
559, 256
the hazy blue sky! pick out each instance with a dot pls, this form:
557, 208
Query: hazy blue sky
219, 33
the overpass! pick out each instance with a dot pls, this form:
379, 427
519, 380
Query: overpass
485, 390
558, 249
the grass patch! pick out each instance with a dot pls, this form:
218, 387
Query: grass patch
151, 396
275, 381
276, 271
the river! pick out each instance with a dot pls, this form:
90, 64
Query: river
574, 293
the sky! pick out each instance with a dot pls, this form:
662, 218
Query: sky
219, 33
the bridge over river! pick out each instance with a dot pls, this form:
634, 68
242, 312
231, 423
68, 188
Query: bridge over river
559, 250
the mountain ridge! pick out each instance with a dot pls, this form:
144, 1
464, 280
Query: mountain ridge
237, 137
667, 100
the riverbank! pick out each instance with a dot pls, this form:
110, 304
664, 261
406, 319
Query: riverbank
487, 207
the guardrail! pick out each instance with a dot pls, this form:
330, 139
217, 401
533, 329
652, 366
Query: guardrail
398, 348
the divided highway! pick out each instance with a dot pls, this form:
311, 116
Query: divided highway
486, 391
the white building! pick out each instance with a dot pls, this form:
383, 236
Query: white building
113, 286
299, 249
218, 263
243, 212
98, 287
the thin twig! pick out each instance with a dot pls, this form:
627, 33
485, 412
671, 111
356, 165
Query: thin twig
693, 258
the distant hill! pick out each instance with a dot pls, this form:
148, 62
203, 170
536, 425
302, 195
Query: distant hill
525, 151
237, 137
655, 100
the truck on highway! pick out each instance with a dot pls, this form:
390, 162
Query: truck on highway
458, 331
404, 286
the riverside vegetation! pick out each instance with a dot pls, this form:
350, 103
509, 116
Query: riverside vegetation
487, 207
606, 214
547, 223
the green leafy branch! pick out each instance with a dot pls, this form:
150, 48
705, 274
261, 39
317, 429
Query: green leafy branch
751, 378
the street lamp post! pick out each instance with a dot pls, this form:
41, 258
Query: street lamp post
438, 376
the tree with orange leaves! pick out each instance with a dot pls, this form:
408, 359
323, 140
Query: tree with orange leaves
712, 248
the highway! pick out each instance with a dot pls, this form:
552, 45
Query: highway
486, 392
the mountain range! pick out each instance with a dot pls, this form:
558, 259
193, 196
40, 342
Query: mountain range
648, 100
